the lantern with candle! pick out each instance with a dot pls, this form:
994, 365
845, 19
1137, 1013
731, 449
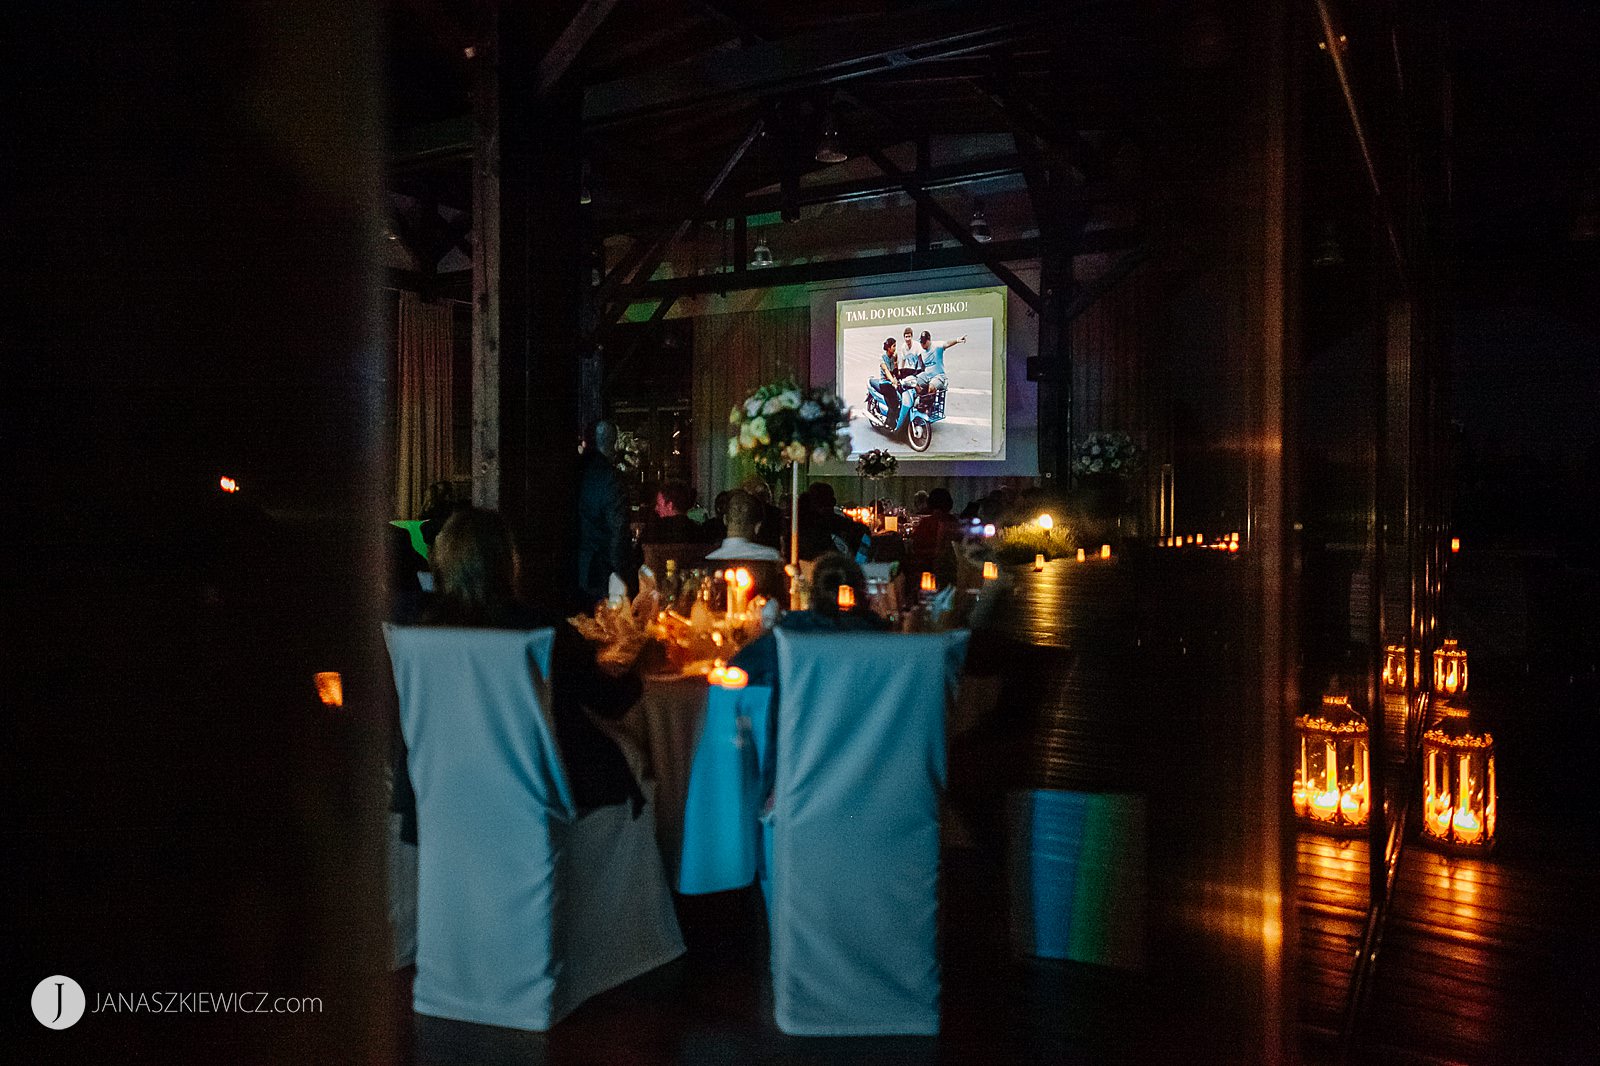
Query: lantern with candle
1458, 791
1450, 669
1330, 782
1394, 667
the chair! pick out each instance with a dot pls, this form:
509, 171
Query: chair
525, 907
854, 830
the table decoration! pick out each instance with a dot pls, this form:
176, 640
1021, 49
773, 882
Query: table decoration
781, 424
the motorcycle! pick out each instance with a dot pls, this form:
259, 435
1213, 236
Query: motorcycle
917, 413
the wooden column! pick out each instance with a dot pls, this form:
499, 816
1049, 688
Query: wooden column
527, 290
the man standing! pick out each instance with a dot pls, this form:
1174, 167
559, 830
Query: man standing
603, 547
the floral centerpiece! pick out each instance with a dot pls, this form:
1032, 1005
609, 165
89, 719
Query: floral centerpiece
782, 423
1106, 453
630, 451
1104, 463
877, 464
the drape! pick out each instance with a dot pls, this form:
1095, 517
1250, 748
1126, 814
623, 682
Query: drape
425, 415
734, 355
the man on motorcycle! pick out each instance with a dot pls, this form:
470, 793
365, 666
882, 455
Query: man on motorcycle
889, 382
932, 377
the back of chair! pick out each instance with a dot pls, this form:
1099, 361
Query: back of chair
855, 829
487, 773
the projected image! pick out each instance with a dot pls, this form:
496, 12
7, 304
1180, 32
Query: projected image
925, 374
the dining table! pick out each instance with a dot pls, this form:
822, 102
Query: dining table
707, 749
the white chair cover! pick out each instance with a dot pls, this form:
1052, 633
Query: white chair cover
402, 897
524, 909
860, 765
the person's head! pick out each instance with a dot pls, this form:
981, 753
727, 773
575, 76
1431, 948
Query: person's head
474, 562
927, 339
603, 438
757, 488
673, 498
908, 336
743, 515
939, 500
719, 506
831, 571
822, 495
919, 502
888, 345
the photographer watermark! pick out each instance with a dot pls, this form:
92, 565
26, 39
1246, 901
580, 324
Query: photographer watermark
60, 1001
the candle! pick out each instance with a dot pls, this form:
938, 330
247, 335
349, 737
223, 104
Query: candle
728, 676
1081, 556
891, 523
1105, 551
330, 688
928, 584
847, 597
990, 571
1038, 563
739, 592
1455, 544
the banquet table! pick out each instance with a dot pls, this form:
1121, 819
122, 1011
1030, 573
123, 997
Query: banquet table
708, 750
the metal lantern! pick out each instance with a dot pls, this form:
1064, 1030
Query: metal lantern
1458, 794
1330, 783
1450, 669
1394, 667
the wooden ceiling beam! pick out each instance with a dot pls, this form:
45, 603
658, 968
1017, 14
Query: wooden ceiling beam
820, 57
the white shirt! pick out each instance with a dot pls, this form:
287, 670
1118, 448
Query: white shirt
739, 548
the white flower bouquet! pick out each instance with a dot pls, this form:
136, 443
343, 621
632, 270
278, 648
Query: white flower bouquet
1105, 453
877, 464
782, 423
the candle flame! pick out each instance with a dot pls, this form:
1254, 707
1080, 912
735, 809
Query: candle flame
742, 578
1455, 544
330, 688
228, 484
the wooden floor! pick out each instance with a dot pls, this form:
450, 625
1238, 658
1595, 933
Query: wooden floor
1483, 960
1332, 911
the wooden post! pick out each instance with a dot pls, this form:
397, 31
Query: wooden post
527, 289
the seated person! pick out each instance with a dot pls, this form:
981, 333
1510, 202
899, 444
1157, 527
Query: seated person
925, 545
887, 381
823, 528
475, 567
931, 377
772, 520
671, 523
744, 520
759, 658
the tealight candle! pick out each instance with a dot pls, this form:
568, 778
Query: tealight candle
847, 597
330, 688
990, 571
928, 583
